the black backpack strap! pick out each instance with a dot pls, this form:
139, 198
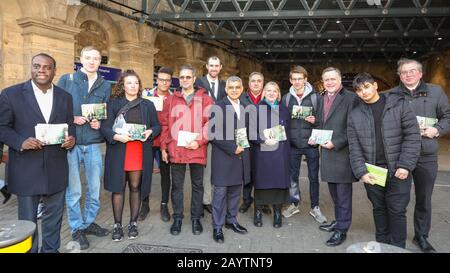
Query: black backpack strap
314, 100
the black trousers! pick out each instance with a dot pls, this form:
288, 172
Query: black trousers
51, 219
247, 193
178, 172
424, 176
389, 210
341, 193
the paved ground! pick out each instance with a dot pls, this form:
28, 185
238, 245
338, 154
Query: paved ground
299, 233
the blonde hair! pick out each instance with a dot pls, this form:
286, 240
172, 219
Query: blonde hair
273, 84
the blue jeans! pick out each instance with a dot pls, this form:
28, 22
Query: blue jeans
91, 157
312, 160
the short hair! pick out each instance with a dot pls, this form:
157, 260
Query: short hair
89, 48
165, 70
404, 61
46, 56
361, 79
277, 87
329, 69
188, 67
255, 73
233, 79
213, 58
298, 69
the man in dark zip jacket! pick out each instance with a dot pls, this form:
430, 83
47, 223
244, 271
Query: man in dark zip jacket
427, 101
382, 130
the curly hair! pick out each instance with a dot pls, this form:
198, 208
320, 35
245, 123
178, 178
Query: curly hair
119, 88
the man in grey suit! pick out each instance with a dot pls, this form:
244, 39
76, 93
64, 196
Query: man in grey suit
37, 171
335, 169
216, 90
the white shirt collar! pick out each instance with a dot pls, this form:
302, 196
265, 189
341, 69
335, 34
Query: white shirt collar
45, 101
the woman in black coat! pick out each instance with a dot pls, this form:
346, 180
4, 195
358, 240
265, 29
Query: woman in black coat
270, 158
129, 156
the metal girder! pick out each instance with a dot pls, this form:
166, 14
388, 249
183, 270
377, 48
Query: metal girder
328, 49
296, 14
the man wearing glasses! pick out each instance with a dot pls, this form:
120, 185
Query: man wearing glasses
184, 142
158, 95
428, 101
302, 98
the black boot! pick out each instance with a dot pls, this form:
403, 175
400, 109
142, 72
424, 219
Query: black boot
5, 194
145, 209
258, 217
277, 219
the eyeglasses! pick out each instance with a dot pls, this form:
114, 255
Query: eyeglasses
165, 80
409, 72
297, 79
185, 77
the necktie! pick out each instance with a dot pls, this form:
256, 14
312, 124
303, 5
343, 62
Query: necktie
213, 89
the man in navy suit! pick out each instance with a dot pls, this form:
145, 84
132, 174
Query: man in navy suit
37, 171
216, 90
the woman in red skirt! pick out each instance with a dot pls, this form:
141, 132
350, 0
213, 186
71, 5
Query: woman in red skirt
129, 155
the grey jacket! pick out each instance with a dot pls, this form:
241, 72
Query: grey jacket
400, 135
335, 163
429, 100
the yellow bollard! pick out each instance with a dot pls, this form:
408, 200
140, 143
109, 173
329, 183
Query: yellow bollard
16, 236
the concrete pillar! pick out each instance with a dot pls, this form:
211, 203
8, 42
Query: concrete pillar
57, 40
140, 58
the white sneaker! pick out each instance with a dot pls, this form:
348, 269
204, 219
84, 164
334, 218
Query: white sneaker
317, 214
291, 210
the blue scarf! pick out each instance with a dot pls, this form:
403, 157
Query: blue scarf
274, 105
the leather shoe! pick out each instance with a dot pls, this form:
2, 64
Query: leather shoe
175, 229
328, 227
266, 209
5, 194
197, 227
165, 215
145, 210
237, 228
208, 208
218, 235
277, 219
336, 238
423, 244
244, 207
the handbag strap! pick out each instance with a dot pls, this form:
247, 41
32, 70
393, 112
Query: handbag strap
129, 105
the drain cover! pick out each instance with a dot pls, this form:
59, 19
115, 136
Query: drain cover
144, 248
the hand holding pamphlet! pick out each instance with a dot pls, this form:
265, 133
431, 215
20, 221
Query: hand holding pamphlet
94, 111
51, 134
185, 138
241, 138
135, 131
379, 173
277, 133
301, 112
425, 122
321, 136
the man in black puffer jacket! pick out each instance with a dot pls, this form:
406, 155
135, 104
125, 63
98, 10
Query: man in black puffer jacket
427, 101
383, 131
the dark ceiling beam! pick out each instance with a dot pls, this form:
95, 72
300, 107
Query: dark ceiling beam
320, 60
347, 49
296, 14
325, 35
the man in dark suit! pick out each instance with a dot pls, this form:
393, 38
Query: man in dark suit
216, 90
36, 170
230, 159
335, 169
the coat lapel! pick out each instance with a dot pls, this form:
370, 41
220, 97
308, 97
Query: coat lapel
30, 98
57, 100
337, 101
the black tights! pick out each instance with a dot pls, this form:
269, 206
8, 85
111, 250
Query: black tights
134, 184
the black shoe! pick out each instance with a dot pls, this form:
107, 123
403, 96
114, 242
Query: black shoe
197, 228
133, 230
336, 238
266, 209
244, 207
218, 235
117, 233
175, 229
5, 194
423, 244
165, 215
277, 219
237, 228
94, 229
79, 237
328, 227
208, 208
258, 218
145, 210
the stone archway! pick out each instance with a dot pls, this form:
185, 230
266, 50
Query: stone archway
92, 34
173, 51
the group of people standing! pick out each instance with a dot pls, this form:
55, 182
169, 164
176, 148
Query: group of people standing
197, 127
